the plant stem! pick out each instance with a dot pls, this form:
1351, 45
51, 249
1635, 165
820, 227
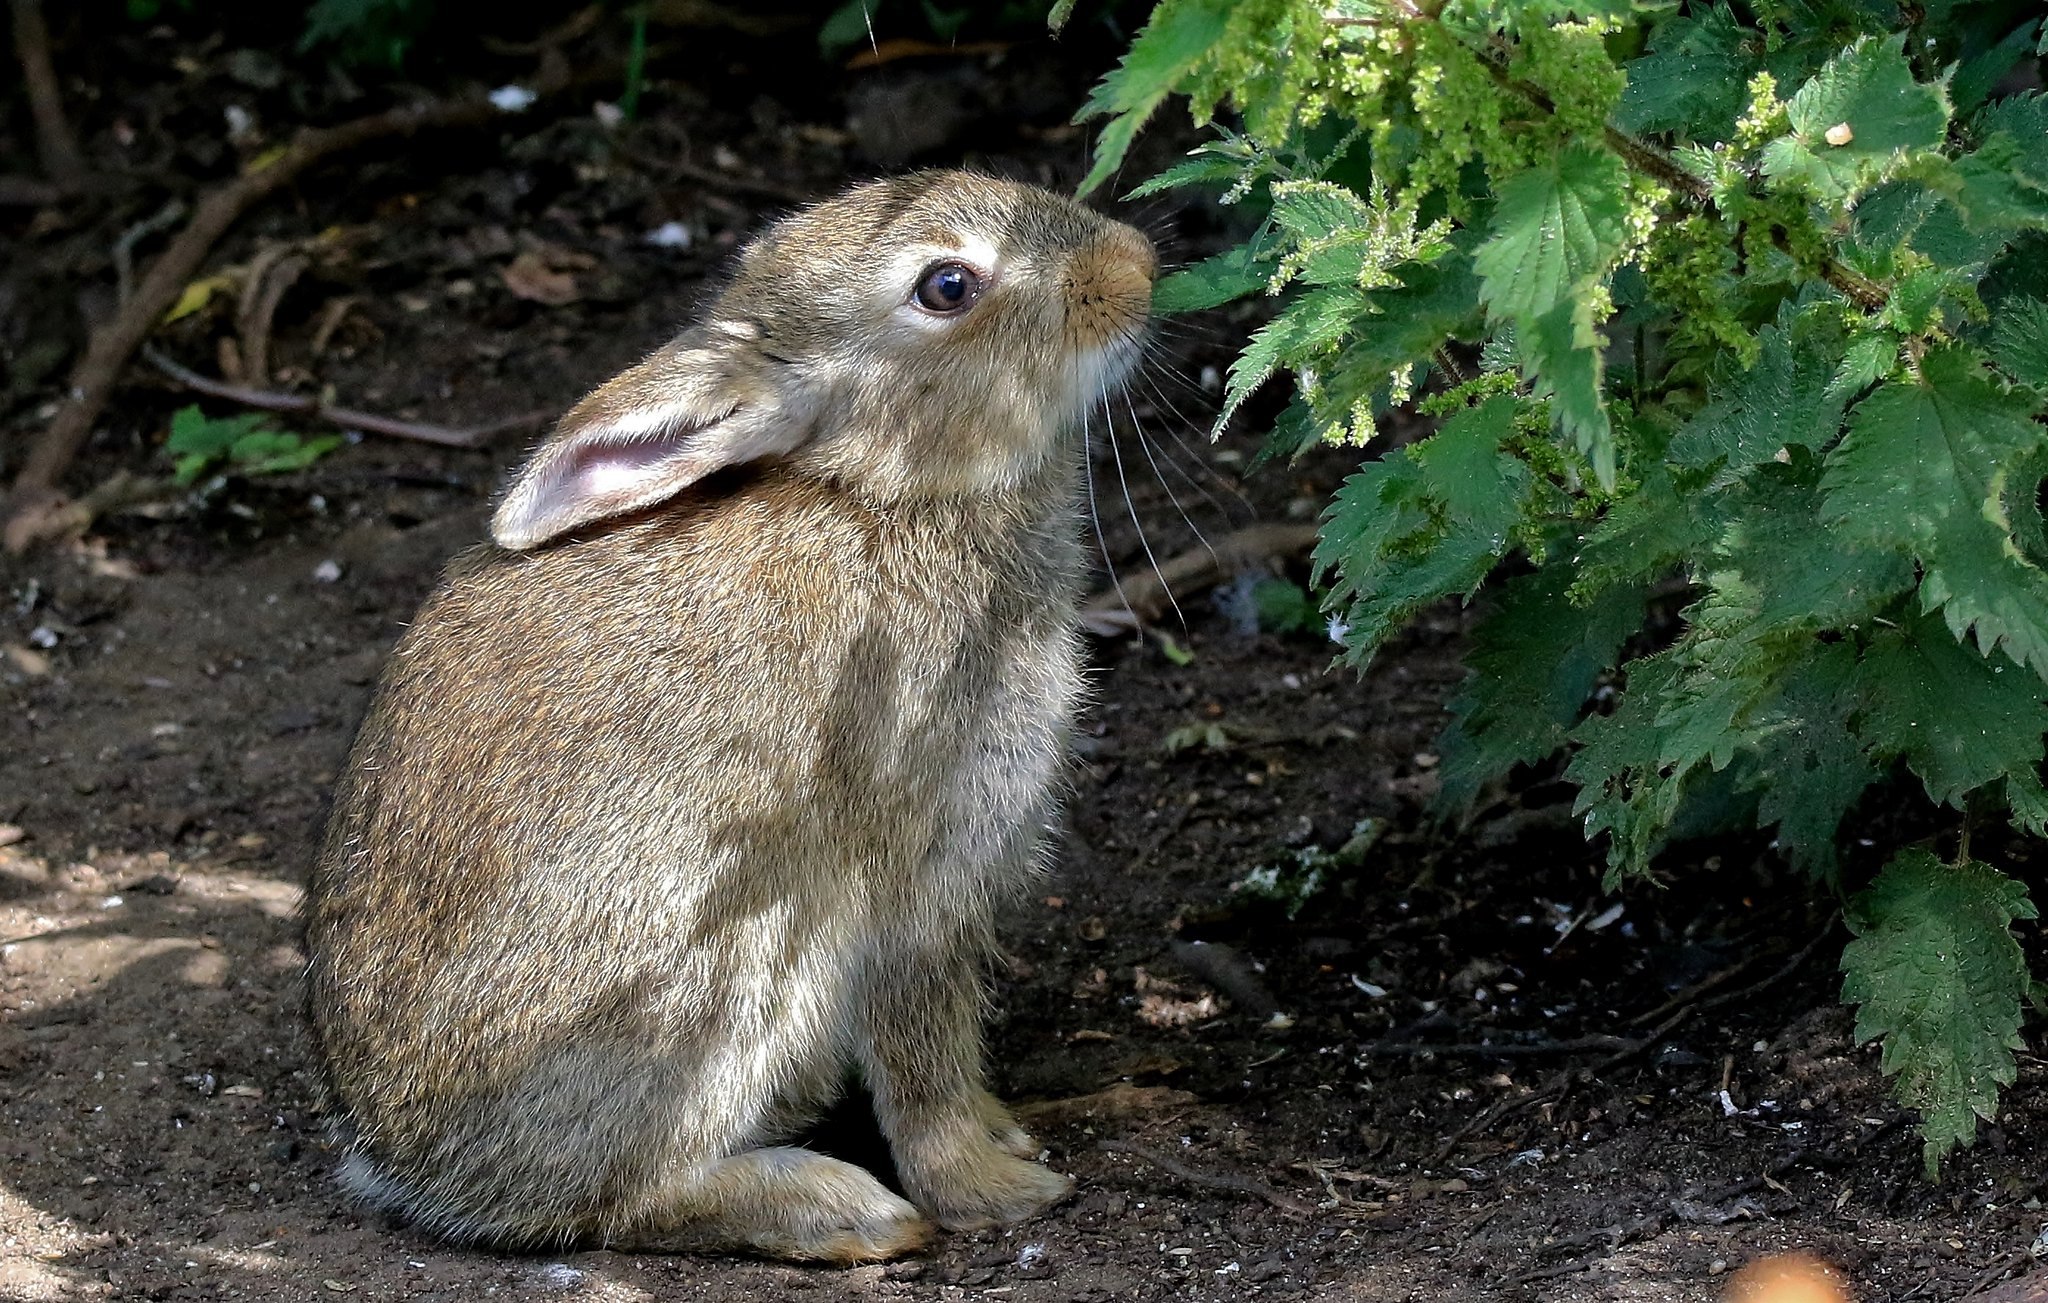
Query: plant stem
1659, 166
636, 65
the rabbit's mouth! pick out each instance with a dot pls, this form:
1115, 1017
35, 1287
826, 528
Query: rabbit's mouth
1100, 371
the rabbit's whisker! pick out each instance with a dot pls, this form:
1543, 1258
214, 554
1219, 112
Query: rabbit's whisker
1161, 400
1116, 453
1145, 443
1095, 516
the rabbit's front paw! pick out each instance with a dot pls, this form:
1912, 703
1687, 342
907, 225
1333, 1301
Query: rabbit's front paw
978, 1186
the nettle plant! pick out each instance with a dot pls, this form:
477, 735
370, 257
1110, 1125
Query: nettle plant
1739, 306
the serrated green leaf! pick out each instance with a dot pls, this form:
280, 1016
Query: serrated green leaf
1534, 661
1810, 769
1866, 93
2019, 340
2023, 119
1692, 80
1923, 467
1623, 791
1961, 720
1405, 324
1978, 77
1561, 353
1648, 532
1428, 521
1785, 400
1556, 229
1203, 166
1798, 575
2027, 800
1989, 189
1176, 38
1938, 977
1211, 282
1309, 325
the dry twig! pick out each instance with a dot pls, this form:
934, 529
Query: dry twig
1144, 597
1225, 1181
55, 145
1627, 1050
347, 417
35, 494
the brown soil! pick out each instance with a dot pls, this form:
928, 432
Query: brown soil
180, 686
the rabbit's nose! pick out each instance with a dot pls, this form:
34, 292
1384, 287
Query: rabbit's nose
1135, 251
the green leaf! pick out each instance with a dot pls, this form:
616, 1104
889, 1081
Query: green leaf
846, 26
1178, 36
1534, 662
2023, 119
2019, 340
1428, 521
1623, 790
1961, 720
1868, 92
1561, 352
1211, 282
1667, 520
1202, 166
1556, 230
198, 442
1783, 401
1978, 77
1692, 81
2029, 803
1800, 575
1810, 768
1309, 325
1939, 978
1923, 467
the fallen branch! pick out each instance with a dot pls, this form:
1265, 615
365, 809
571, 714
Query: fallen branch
1225, 1181
56, 147
35, 494
28, 192
1488, 1050
1145, 597
1628, 1049
346, 417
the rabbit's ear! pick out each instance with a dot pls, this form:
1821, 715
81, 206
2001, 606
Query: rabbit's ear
641, 438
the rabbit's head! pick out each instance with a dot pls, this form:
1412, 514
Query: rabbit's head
931, 335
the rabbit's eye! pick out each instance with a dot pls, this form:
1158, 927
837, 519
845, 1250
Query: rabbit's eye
948, 287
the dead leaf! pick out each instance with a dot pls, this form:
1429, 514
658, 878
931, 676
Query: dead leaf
546, 274
1163, 1011
26, 659
1122, 1100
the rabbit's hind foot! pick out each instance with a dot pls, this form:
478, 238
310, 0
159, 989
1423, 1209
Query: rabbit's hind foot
1003, 1127
971, 1181
781, 1202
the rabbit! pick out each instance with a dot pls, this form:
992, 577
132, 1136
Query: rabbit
693, 798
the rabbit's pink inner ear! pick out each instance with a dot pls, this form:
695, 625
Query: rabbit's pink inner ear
598, 473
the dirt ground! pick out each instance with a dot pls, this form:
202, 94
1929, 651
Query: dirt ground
1459, 1071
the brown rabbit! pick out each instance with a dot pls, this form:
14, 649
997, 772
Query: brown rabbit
698, 791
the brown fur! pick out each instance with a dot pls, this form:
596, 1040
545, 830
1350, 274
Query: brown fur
660, 826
